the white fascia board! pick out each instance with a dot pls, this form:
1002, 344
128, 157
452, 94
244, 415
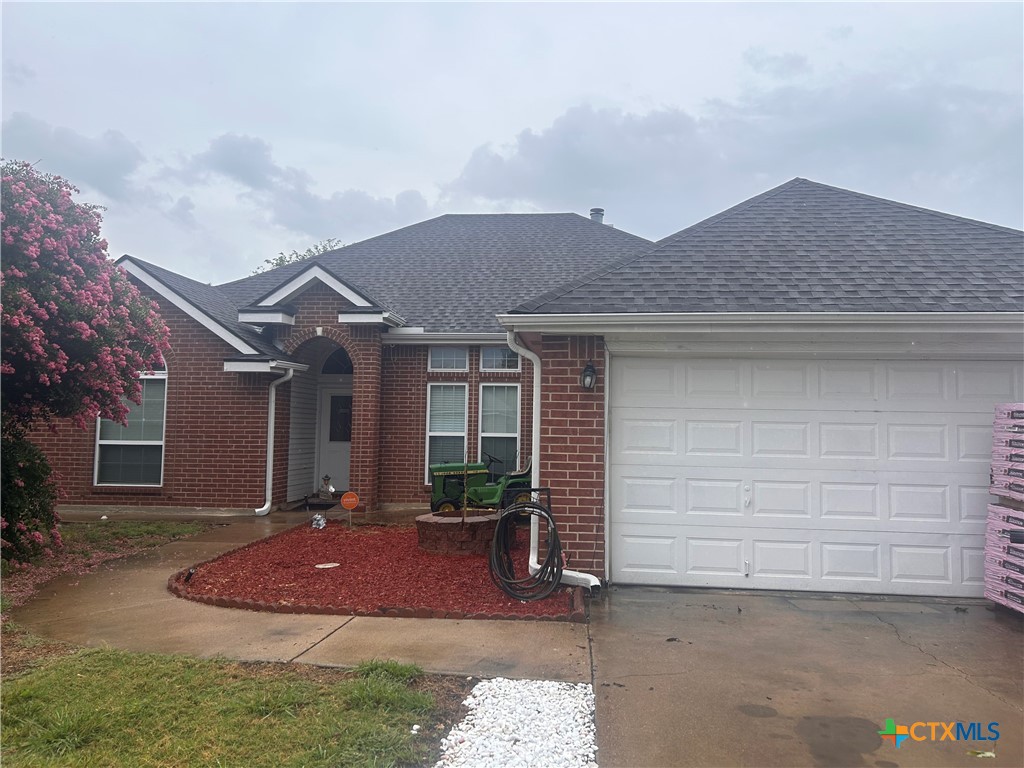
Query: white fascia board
187, 307
266, 318
368, 318
769, 322
418, 336
261, 366
300, 282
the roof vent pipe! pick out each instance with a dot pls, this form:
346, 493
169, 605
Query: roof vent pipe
597, 214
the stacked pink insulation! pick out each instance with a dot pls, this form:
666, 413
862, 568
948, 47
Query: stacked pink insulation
1004, 556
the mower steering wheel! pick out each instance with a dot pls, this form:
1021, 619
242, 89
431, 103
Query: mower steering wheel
491, 459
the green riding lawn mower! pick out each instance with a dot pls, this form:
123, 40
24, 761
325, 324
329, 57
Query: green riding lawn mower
461, 485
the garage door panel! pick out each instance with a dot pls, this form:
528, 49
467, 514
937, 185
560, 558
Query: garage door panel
842, 561
845, 475
894, 501
913, 442
916, 386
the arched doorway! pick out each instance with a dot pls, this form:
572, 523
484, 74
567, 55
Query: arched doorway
334, 420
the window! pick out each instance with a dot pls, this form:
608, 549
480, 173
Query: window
499, 424
498, 359
446, 423
449, 359
134, 454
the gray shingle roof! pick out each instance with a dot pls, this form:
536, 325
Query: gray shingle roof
453, 273
808, 247
212, 302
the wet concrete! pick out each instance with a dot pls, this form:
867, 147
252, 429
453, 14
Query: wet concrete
126, 605
689, 678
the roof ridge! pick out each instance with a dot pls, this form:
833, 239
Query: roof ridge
919, 209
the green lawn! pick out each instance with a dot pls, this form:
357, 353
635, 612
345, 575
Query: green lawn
65, 707
111, 708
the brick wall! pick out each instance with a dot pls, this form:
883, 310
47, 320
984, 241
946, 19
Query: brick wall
318, 307
214, 437
404, 379
572, 447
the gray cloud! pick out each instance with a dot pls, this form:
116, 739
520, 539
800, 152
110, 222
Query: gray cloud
105, 163
932, 144
778, 65
245, 159
285, 196
183, 212
16, 73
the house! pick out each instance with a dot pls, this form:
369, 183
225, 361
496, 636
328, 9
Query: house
796, 393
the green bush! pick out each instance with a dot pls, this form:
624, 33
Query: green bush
29, 521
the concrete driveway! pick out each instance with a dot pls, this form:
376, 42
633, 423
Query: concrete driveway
713, 678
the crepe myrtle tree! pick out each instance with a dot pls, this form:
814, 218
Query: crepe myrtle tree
76, 334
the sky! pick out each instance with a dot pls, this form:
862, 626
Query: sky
218, 135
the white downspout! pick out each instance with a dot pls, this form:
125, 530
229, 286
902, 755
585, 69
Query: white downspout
271, 411
576, 578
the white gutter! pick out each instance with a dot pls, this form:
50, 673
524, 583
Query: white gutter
271, 411
768, 322
576, 578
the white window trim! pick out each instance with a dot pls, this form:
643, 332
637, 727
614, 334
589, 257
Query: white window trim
163, 443
430, 360
519, 422
465, 421
519, 361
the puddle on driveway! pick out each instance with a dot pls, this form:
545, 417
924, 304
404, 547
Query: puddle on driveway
837, 742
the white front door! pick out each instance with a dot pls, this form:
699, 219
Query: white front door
832, 475
334, 439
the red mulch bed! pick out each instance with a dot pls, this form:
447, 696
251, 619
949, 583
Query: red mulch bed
383, 572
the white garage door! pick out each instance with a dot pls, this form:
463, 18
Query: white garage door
846, 476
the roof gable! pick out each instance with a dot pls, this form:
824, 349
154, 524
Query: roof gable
809, 247
203, 303
313, 273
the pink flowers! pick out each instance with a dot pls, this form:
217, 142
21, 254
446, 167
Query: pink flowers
66, 309
76, 333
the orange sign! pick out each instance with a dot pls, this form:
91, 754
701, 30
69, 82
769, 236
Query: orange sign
350, 500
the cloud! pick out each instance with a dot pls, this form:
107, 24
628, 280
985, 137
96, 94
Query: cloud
284, 196
781, 65
183, 212
938, 145
105, 163
16, 73
244, 159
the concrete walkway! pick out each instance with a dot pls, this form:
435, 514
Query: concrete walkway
128, 606
682, 677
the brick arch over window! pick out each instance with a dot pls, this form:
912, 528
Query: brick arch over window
363, 346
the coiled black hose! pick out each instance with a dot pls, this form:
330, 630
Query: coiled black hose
529, 586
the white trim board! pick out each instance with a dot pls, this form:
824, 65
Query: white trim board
770, 322
301, 281
138, 272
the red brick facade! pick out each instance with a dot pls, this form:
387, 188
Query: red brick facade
215, 434
214, 439
572, 447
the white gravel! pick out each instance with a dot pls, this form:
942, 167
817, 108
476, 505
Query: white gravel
524, 724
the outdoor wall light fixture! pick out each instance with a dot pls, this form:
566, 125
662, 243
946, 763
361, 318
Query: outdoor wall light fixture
588, 376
